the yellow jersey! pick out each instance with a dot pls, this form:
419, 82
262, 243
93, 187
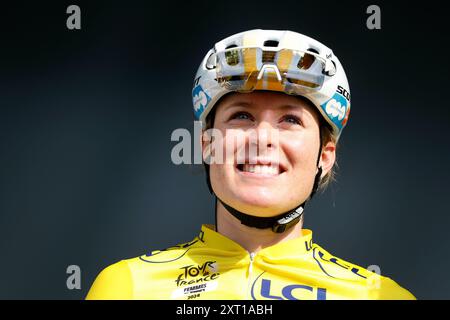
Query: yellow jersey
211, 266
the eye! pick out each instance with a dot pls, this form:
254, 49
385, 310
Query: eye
292, 119
241, 116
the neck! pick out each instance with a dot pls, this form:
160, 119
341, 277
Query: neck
252, 239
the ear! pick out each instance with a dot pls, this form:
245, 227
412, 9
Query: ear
328, 157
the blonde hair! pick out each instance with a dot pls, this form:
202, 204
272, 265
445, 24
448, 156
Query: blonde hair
327, 135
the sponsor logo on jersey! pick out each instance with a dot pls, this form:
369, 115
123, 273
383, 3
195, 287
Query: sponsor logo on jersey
264, 288
318, 255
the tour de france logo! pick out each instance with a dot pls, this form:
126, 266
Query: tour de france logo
196, 279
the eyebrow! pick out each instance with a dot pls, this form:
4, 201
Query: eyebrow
286, 106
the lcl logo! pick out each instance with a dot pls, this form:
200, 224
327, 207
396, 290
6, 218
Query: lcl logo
269, 289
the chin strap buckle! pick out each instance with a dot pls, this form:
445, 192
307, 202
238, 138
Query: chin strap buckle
288, 221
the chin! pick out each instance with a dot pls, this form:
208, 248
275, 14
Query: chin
259, 202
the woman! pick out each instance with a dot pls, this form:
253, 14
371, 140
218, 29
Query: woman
273, 105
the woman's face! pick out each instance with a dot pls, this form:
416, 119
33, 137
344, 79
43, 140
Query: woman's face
270, 148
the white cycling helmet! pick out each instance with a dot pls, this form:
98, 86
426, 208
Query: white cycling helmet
274, 60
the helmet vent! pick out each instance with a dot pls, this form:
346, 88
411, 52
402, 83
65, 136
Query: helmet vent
312, 50
271, 43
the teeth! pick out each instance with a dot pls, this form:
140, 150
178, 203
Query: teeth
261, 169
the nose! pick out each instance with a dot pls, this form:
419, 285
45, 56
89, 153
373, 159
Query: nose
265, 138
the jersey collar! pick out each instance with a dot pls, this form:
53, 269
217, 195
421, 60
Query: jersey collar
293, 247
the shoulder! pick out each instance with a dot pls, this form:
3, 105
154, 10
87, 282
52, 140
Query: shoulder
113, 282
168, 255
367, 281
123, 279
388, 289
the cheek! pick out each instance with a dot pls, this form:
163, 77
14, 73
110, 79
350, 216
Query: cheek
224, 150
233, 146
301, 152
223, 145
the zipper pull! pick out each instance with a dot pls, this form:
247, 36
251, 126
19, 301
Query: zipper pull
249, 274
250, 267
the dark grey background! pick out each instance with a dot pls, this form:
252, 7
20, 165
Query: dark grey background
86, 117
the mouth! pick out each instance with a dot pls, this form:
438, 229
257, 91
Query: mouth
262, 170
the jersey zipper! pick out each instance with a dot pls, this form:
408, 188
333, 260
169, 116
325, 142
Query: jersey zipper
250, 270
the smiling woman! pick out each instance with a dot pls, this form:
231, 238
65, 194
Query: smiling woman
279, 101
